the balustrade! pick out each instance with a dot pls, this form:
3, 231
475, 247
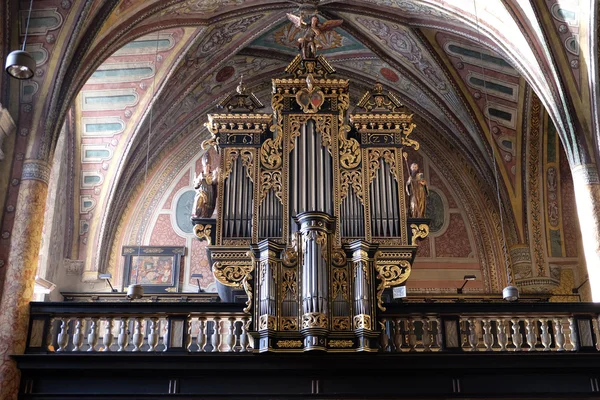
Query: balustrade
224, 328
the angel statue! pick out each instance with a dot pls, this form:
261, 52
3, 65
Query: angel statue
307, 43
206, 186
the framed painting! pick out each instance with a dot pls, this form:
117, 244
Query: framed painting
156, 268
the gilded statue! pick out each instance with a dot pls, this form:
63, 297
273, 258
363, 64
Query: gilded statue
206, 186
417, 191
312, 32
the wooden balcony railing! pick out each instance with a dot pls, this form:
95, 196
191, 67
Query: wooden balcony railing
223, 327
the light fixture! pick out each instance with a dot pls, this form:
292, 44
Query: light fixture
510, 292
467, 278
198, 276
107, 277
20, 64
135, 292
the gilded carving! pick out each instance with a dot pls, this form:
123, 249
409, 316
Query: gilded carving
353, 178
338, 257
362, 321
339, 283
341, 344
289, 257
388, 155
289, 282
420, 231
270, 180
236, 275
390, 273
266, 321
247, 157
203, 232
341, 323
289, 323
230, 155
289, 344
314, 320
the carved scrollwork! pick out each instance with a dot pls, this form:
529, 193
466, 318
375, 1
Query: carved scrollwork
390, 273
289, 344
362, 321
420, 231
289, 283
266, 322
314, 320
229, 157
211, 142
247, 157
289, 257
341, 344
289, 323
353, 178
339, 283
349, 152
203, 232
341, 323
338, 257
270, 180
237, 274
324, 127
270, 153
388, 155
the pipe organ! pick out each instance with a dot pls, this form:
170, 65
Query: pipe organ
311, 218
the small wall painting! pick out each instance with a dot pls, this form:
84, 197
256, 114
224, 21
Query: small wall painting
156, 268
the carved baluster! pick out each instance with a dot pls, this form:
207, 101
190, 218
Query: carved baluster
165, 336
63, 335
517, 338
531, 336
77, 336
244, 335
231, 335
138, 337
412, 337
123, 339
201, 338
545, 335
398, 335
108, 336
573, 335
153, 335
502, 336
384, 340
596, 332
488, 339
426, 335
216, 336
50, 335
439, 338
559, 334
93, 335
189, 333
472, 334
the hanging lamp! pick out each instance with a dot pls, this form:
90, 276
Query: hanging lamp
19, 63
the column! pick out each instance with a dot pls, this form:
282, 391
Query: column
587, 196
21, 270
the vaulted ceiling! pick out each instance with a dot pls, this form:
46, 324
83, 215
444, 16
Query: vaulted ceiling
135, 78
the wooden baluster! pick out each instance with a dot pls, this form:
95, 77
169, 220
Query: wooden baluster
63, 335
398, 335
412, 337
50, 335
517, 338
231, 335
573, 335
531, 336
559, 334
188, 339
427, 337
488, 338
77, 336
153, 335
201, 338
439, 338
216, 336
545, 335
502, 336
384, 340
244, 335
108, 336
165, 336
464, 333
123, 339
472, 334
138, 336
596, 333
93, 335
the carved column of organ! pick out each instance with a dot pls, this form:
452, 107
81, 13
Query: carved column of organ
311, 225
